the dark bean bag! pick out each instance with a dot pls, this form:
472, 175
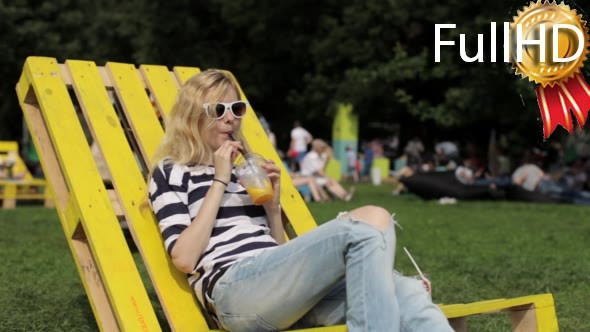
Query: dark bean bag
434, 185
518, 193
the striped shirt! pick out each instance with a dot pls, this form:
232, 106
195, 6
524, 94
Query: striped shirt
240, 229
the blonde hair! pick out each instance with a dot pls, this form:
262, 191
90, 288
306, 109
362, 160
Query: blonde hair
186, 126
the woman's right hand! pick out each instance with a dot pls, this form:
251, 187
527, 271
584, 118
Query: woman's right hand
223, 159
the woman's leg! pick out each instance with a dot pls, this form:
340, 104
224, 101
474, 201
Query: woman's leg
276, 288
314, 188
335, 188
416, 310
324, 194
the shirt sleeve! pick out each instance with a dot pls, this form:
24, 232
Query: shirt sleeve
169, 201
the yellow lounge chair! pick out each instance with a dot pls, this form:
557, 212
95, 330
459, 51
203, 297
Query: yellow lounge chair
118, 113
22, 186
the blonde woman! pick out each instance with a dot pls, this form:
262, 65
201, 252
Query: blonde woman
234, 253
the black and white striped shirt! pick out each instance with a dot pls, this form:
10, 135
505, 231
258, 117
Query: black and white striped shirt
240, 230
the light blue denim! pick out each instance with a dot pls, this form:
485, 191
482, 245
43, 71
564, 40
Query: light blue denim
339, 273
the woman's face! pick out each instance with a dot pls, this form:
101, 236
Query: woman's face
223, 127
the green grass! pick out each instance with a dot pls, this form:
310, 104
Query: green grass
472, 251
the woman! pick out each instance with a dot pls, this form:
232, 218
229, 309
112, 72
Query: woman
234, 252
314, 163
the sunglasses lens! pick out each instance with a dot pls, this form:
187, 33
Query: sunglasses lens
239, 108
219, 110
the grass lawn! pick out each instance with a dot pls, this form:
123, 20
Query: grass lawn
472, 251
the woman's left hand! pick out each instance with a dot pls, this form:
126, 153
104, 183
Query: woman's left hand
274, 174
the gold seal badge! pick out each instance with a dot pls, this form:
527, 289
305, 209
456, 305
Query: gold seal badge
548, 72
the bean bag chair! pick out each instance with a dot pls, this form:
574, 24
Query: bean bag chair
434, 185
517, 193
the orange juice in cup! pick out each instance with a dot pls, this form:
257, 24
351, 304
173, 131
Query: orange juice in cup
254, 178
260, 195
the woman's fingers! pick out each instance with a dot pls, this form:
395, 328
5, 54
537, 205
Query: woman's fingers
234, 144
271, 167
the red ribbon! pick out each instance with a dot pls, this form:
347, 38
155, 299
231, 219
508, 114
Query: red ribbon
556, 102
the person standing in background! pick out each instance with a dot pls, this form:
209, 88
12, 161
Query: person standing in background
351, 161
299, 140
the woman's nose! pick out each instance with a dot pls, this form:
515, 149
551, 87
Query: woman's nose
229, 115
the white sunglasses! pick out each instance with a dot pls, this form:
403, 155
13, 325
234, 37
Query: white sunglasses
217, 110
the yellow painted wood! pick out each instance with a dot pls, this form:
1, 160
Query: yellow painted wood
23, 196
162, 85
56, 190
112, 256
6, 146
9, 197
178, 302
546, 319
137, 107
70, 217
40, 135
544, 308
292, 203
184, 73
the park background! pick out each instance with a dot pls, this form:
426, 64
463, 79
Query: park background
299, 60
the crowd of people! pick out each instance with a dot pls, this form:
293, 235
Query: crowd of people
552, 173
560, 171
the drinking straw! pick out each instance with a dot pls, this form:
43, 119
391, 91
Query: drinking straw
240, 151
415, 265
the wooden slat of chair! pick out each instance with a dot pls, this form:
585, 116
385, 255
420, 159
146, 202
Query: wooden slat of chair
137, 107
184, 73
175, 295
162, 85
92, 229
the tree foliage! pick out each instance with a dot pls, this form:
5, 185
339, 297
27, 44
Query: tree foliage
295, 59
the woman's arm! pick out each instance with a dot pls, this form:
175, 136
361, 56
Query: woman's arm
273, 208
275, 222
193, 240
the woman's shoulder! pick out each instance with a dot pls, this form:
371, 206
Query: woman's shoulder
171, 168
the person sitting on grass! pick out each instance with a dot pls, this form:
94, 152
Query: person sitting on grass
314, 163
466, 174
234, 253
531, 177
317, 193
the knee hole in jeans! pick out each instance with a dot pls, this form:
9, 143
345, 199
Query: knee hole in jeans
375, 216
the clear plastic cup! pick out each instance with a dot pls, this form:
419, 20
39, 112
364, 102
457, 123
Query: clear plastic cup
254, 178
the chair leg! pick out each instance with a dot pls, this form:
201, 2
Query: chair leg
459, 324
534, 317
524, 318
9, 201
49, 202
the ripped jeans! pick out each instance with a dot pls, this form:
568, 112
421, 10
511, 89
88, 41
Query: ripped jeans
341, 272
